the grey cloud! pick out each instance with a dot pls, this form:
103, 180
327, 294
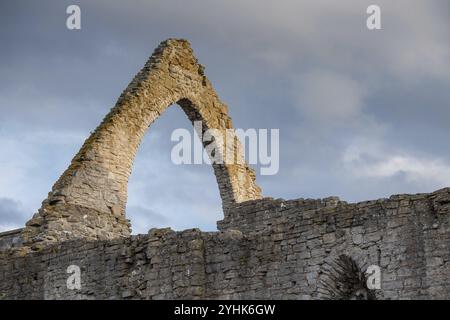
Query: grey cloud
143, 218
280, 64
324, 96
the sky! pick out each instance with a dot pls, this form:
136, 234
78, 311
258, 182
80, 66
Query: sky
363, 114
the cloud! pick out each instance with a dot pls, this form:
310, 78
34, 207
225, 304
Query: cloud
361, 113
324, 96
375, 160
12, 214
143, 218
30, 163
183, 196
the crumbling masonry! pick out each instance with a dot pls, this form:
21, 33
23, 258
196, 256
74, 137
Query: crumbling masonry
265, 248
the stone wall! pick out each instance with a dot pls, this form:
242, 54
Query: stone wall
265, 248
11, 239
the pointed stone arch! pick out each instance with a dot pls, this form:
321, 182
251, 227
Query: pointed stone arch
89, 199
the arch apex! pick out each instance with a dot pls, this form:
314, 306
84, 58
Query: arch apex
89, 199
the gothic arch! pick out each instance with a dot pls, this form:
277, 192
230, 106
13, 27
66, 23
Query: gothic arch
88, 200
341, 278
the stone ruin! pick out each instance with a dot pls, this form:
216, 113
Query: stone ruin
265, 248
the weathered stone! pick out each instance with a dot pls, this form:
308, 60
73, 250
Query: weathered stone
265, 247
